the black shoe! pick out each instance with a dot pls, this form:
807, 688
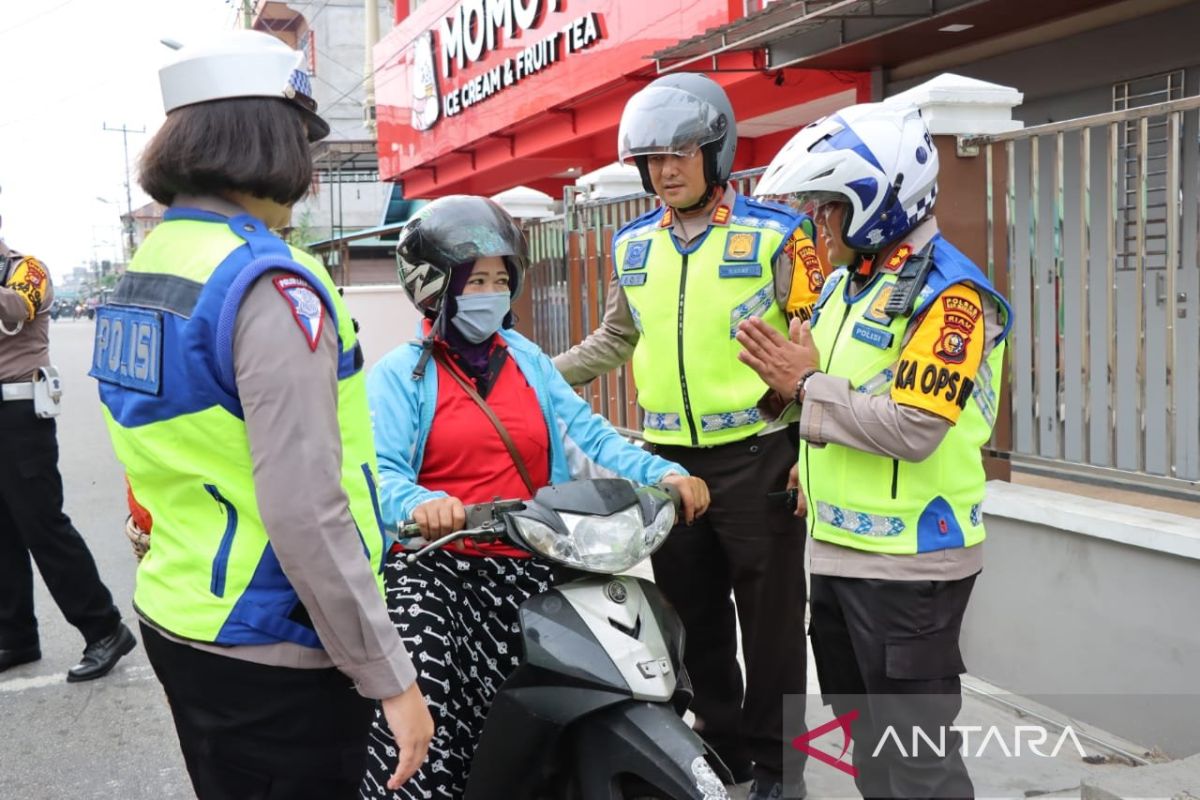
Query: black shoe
101, 656
16, 656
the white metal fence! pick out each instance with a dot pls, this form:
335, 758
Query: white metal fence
1101, 215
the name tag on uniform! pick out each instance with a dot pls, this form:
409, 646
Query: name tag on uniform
128, 349
636, 253
872, 336
741, 246
748, 270
636, 279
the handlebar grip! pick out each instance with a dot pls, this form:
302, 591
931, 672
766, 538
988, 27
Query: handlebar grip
673, 492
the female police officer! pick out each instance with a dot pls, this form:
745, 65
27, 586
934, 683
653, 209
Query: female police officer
232, 384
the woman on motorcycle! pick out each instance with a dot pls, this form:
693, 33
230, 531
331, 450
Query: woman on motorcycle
462, 260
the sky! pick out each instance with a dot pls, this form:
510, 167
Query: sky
67, 68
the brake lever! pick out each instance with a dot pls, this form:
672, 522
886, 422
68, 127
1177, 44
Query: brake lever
487, 531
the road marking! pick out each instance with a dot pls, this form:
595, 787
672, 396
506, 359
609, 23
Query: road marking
135, 673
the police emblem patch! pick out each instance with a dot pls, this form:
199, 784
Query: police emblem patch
306, 305
636, 254
741, 246
951, 346
875, 312
961, 316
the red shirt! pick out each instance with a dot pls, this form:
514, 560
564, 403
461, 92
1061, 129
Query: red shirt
465, 456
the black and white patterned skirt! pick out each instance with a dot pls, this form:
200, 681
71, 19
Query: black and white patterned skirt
458, 618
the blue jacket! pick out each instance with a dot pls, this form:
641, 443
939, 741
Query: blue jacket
582, 444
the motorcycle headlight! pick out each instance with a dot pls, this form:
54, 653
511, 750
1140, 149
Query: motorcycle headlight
657, 530
547, 541
599, 544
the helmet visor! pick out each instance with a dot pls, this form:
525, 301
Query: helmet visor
814, 203
663, 120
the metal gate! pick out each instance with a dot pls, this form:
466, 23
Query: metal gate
1101, 215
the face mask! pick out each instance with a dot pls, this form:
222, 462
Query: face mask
480, 315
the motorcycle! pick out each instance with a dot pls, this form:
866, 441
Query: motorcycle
594, 710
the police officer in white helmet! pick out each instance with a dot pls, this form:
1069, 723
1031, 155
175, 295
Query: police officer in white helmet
896, 377
233, 389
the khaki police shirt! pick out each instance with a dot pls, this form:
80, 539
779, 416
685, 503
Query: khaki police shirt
25, 299
289, 398
833, 413
613, 343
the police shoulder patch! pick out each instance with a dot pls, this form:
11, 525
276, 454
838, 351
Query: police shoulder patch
29, 279
306, 305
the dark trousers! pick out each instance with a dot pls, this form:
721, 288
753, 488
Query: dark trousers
32, 523
255, 732
753, 547
889, 650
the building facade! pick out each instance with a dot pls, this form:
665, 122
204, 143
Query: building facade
347, 193
480, 96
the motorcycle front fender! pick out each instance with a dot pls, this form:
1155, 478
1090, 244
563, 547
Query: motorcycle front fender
649, 742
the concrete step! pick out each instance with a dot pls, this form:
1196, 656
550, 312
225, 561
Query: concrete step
1176, 780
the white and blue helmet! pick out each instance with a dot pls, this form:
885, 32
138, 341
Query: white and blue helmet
878, 158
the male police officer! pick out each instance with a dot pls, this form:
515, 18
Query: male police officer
685, 275
898, 380
32, 522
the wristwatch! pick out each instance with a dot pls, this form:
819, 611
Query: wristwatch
798, 394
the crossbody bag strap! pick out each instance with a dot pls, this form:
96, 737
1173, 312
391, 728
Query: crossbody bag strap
440, 357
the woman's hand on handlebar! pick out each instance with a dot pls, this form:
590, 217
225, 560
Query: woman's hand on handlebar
441, 517
693, 495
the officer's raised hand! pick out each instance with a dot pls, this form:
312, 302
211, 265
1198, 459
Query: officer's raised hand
780, 362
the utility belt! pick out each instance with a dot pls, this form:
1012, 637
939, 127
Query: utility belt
45, 390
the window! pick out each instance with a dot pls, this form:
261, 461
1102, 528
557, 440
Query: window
1139, 93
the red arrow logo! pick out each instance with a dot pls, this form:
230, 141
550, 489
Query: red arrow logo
802, 743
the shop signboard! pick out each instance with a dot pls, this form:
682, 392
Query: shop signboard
448, 76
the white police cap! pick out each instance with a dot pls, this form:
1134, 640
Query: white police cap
240, 63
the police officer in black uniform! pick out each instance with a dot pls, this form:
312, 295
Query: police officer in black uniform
32, 522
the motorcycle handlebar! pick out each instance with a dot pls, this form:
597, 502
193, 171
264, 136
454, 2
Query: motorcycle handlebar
483, 523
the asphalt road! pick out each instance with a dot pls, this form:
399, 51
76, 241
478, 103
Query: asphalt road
113, 737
